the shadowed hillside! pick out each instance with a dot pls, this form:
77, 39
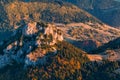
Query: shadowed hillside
112, 45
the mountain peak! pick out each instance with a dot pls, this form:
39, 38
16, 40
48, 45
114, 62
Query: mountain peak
33, 35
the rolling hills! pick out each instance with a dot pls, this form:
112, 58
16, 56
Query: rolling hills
89, 36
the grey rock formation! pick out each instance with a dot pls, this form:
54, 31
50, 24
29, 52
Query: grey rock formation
34, 36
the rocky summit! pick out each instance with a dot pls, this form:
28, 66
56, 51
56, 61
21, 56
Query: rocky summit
26, 40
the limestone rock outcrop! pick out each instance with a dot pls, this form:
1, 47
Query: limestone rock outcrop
31, 36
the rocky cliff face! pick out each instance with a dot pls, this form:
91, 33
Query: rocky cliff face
30, 44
